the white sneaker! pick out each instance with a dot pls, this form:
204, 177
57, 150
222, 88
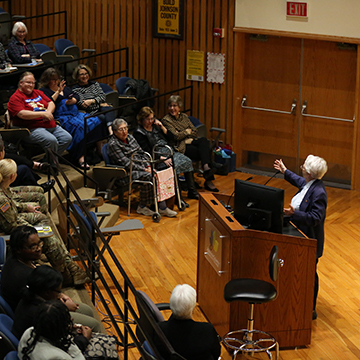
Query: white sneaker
167, 212
144, 211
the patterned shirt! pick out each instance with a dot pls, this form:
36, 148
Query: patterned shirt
120, 153
92, 90
177, 126
16, 49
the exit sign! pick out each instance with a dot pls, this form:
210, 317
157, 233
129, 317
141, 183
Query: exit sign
298, 9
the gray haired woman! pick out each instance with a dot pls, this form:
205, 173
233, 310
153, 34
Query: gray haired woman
20, 50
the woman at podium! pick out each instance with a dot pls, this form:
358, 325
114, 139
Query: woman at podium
308, 207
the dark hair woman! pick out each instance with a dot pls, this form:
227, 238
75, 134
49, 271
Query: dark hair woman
51, 337
71, 119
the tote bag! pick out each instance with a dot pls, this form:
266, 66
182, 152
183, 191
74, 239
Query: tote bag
165, 184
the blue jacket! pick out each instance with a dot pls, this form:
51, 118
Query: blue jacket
311, 215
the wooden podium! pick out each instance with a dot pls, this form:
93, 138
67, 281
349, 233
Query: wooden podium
228, 251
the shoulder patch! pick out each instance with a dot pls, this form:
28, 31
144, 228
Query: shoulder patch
5, 207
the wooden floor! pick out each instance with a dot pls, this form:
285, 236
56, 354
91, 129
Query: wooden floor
164, 254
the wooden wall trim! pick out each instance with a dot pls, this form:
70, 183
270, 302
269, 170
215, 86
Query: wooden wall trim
292, 34
355, 180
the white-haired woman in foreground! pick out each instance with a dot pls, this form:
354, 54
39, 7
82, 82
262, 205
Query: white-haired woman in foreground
191, 339
308, 207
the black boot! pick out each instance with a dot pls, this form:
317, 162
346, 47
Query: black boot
192, 192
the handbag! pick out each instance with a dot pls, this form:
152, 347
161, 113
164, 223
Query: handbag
165, 184
102, 347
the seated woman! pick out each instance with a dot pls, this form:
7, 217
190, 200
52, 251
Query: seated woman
32, 109
25, 175
44, 283
15, 210
152, 132
92, 98
20, 50
71, 119
186, 140
51, 337
191, 339
121, 146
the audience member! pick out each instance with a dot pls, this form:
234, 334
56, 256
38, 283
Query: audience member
121, 147
186, 140
51, 337
44, 283
20, 50
191, 339
15, 210
4, 58
25, 175
151, 132
92, 98
32, 109
71, 119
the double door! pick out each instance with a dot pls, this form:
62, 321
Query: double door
296, 97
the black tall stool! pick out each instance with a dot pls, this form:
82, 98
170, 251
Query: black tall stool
253, 291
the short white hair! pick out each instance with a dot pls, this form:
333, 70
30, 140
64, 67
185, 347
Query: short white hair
18, 25
315, 166
183, 301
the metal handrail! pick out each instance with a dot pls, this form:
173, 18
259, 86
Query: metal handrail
291, 112
43, 15
303, 113
113, 277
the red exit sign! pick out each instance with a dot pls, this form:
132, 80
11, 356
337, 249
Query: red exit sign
296, 9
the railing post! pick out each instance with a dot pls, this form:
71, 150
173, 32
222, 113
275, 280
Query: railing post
126, 320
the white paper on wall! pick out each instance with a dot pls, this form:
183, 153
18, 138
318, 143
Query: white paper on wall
215, 68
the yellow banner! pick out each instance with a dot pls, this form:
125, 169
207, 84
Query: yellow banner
169, 17
195, 65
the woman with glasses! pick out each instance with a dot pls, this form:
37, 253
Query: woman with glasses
151, 132
71, 119
15, 211
186, 140
121, 147
92, 98
308, 207
32, 109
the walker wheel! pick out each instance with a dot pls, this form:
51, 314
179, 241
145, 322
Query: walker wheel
156, 217
182, 205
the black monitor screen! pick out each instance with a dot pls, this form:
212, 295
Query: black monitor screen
259, 207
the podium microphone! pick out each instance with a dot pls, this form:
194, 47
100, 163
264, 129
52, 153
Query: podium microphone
273, 176
249, 178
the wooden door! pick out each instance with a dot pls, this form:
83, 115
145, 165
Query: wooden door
271, 81
328, 87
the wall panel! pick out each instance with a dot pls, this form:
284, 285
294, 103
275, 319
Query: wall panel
110, 24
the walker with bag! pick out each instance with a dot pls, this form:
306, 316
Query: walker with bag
164, 181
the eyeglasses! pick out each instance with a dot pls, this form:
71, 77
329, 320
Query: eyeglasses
29, 82
173, 105
83, 74
35, 247
122, 129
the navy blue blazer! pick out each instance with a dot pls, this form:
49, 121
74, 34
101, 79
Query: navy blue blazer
311, 215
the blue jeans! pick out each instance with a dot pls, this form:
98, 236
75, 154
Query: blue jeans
57, 139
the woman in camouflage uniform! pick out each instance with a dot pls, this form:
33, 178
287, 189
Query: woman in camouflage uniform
29, 208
